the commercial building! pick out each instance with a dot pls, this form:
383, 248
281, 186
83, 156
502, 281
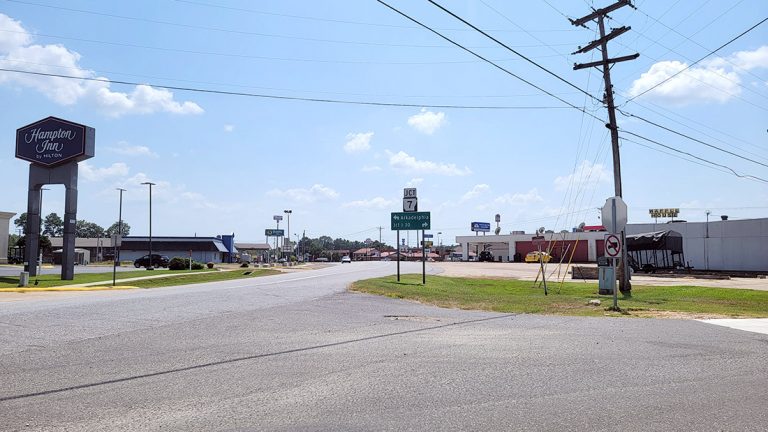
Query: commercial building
727, 245
5, 220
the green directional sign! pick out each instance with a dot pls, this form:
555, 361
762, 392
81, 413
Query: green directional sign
411, 221
274, 232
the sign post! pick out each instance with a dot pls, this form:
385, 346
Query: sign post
538, 241
53, 147
411, 220
614, 214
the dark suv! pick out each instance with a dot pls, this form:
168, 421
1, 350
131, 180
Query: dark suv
485, 256
157, 261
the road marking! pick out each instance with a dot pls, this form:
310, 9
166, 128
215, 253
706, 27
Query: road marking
756, 325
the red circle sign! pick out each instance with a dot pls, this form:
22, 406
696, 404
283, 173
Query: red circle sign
612, 245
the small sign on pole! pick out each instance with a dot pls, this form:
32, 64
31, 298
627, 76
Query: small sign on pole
612, 245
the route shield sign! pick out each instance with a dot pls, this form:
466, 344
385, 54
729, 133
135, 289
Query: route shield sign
411, 221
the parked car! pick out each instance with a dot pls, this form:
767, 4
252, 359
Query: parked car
346, 259
536, 256
157, 261
321, 259
486, 256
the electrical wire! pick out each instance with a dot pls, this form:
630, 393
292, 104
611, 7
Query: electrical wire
691, 138
489, 61
697, 61
282, 97
439, 6
747, 176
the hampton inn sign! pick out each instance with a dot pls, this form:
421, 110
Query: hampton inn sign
53, 147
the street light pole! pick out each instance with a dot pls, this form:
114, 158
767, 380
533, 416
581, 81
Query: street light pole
40, 259
288, 213
150, 184
116, 258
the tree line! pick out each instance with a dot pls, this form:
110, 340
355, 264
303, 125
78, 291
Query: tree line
53, 226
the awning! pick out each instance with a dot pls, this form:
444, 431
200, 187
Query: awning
656, 240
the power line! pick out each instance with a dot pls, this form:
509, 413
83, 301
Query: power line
224, 30
697, 61
692, 138
510, 48
282, 97
331, 20
747, 176
489, 61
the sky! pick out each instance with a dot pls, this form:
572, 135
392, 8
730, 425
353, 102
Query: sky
231, 144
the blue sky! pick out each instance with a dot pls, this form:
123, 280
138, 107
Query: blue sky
226, 163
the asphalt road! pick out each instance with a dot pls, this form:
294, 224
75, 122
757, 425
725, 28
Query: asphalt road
297, 352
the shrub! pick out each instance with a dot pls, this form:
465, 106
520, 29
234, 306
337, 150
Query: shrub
197, 265
178, 263
244, 265
209, 264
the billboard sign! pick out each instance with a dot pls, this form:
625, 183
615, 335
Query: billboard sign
53, 141
271, 232
481, 226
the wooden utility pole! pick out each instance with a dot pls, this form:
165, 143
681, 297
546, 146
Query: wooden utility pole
605, 63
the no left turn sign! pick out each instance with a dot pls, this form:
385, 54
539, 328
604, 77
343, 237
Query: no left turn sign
612, 245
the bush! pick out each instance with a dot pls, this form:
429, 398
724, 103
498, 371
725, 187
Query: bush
209, 264
178, 263
197, 265
244, 265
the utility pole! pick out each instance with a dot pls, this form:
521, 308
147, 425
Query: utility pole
380, 228
605, 63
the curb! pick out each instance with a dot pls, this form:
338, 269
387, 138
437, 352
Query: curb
68, 288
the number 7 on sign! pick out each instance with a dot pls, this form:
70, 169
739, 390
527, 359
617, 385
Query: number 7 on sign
410, 204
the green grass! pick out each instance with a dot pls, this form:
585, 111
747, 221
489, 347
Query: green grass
197, 276
214, 276
514, 296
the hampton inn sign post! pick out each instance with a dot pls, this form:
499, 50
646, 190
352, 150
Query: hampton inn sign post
53, 147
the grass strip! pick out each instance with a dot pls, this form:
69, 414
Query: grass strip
195, 278
515, 296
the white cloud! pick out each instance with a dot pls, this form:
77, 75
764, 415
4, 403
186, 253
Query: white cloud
476, 191
716, 80
746, 60
532, 196
373, 203
370, 168
585, 173
315, 193
197, 200
404, 161
91, 173
126, 149
414, 182
18, 51
427, 121
229, 128
358, 142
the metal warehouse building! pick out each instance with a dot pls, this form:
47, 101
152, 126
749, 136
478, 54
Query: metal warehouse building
736, 245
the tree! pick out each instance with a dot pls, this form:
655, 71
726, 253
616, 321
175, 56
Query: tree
21, 222
44, 243
115, 228
53, 225
85, 229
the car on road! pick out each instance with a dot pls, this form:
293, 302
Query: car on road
536, 256
157, 261
486, 256
346, 259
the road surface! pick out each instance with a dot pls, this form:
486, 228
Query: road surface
297, 352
